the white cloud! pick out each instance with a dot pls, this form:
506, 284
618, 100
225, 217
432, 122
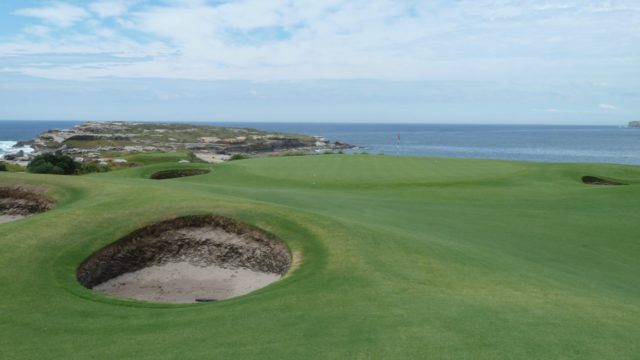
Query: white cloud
110, 8
471, 40
59, 14
608, 107
38, 30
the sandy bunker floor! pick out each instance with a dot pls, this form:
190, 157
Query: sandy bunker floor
183, 282
187, 260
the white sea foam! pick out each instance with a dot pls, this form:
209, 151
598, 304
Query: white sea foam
6, 147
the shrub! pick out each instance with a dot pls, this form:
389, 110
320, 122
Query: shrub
92, 168
51, 163
238, 157
3, 167
293, 153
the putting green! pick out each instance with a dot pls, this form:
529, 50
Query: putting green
400, 258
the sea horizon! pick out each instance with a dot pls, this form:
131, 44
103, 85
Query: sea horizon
519, 142
194, 122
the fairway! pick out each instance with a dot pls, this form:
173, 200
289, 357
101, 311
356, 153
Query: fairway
393, 257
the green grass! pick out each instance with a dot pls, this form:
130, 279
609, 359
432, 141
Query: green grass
402, 258
147, 158
15, 168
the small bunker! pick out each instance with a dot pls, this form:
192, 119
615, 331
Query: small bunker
594, 180
18, 202
185, 260
178, 173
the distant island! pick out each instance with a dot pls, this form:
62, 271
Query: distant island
634, 124
105, 142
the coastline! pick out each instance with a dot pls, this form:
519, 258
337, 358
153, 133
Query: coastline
533, 143
7, 147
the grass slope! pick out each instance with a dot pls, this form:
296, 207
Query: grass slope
402, 258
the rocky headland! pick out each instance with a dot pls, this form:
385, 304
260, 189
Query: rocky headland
99, 141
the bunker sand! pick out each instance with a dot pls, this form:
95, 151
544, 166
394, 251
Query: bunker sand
186, 260
182, 282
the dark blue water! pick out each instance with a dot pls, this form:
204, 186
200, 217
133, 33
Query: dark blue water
509, 142
27, 130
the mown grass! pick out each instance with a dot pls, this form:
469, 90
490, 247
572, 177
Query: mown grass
402, 258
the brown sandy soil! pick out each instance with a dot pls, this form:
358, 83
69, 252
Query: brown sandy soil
186, 259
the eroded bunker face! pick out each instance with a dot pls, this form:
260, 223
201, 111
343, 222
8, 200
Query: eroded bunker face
178, 173
594, 180
19, 202
186, 260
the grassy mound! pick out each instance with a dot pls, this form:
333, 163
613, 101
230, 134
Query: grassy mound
392, 258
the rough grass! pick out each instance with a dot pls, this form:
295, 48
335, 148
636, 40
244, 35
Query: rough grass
94, 144
147, 158
15, 168
401, 258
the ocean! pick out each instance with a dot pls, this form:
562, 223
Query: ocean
546, 143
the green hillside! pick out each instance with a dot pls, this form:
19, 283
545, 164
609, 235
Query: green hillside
400, 258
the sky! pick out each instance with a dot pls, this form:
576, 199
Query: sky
403, 61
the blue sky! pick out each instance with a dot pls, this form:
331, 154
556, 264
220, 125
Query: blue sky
441, 61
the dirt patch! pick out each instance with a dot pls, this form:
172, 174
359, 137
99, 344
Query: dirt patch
178, 173
187, 259
593, 180
18, 202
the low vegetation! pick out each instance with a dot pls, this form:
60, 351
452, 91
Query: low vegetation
53, 163
92, 167
238, 157
59, 164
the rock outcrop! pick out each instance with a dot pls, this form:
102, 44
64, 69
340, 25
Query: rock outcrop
90, 140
